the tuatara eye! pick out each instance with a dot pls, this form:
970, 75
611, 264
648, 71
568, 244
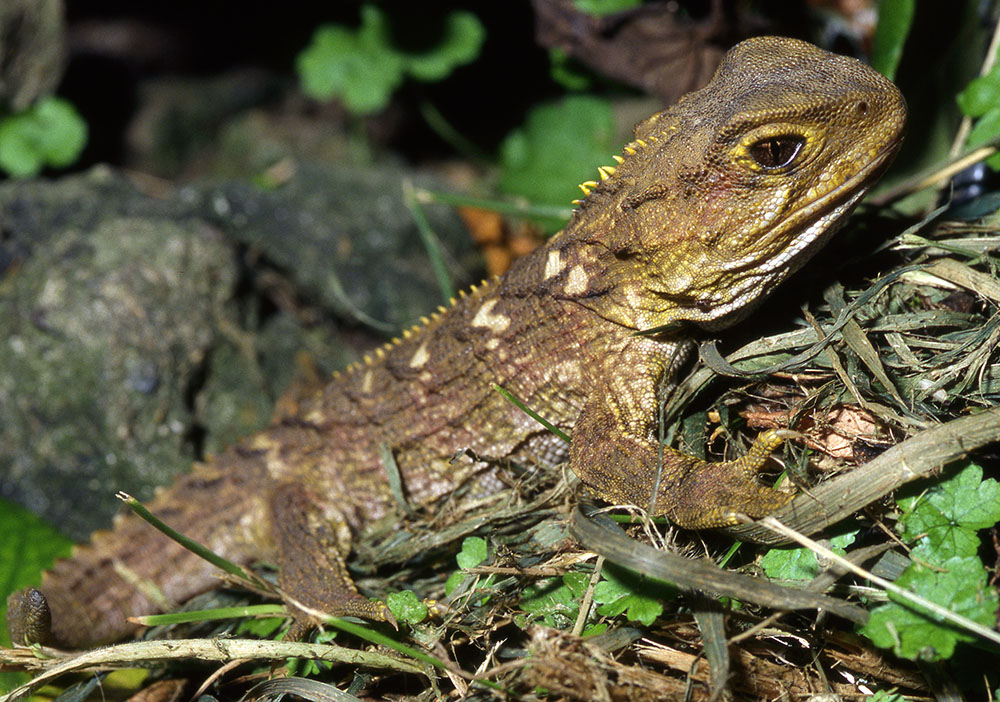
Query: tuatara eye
776, 152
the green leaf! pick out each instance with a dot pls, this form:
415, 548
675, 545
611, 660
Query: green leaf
361, 68
800, 563
981, 98
264, 627
474, 552
576, 583
622, 590
463, 39
19, 152
453, 581
559, 145
564, 71
65, 131
605, 7
944, 521
51, 133
305, 667
982, 94
594, 629
946, 569
961, 586
894, 20
406, 607
883, 696
9, 681
28, 546
555, 601
986, 128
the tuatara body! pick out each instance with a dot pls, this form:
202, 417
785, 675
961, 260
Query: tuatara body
716, 201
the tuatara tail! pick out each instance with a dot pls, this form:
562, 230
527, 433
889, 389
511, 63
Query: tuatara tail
133, 569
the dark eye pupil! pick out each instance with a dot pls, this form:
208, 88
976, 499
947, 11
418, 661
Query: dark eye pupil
776, 152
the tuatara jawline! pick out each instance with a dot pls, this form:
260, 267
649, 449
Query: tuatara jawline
715, 202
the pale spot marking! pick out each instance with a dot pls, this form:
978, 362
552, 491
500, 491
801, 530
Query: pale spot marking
485, 318
554, 264
576, 281
420, 357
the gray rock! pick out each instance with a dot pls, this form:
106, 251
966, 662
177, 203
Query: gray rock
344, 236
136, 334
104, 330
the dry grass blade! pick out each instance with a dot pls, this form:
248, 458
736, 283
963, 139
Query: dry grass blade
602, 536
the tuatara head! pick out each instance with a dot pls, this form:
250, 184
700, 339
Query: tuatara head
726, 193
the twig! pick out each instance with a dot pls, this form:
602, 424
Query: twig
223, 650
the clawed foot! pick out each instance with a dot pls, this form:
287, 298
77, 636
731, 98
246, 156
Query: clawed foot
356, 606
716, 494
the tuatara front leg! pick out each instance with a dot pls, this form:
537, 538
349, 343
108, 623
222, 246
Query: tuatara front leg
311, 541
615, 452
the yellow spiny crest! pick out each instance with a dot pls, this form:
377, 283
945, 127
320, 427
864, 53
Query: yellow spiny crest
618, 158
442, 309
640, 142
606, 171
380, 352
584, 188
630, 150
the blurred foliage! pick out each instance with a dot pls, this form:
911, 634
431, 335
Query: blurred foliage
50, 133
981, 100
560, 145
605, 7
363, 67
895, 17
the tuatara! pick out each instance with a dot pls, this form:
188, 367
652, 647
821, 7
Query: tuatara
716, 201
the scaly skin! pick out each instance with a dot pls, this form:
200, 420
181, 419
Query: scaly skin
714, 203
